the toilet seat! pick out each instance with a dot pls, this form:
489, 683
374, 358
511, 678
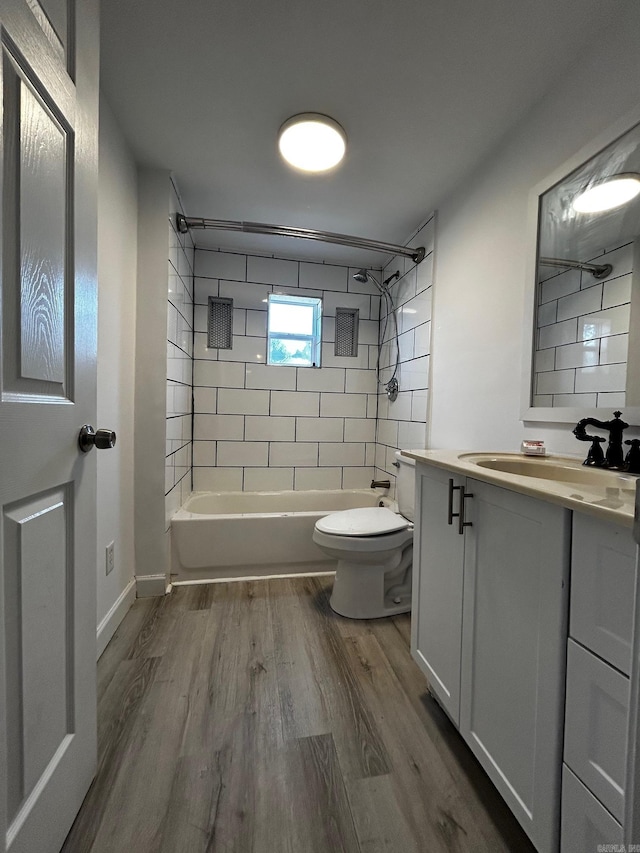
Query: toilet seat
377, 544
362, 522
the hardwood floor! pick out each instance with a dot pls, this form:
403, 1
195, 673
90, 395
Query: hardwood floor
249, 718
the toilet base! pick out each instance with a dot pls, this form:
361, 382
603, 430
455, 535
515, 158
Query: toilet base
372, 591
403, 607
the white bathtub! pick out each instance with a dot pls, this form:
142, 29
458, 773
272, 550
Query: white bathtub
243, 534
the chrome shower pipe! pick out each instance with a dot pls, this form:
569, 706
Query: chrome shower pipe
186, 223
597, 270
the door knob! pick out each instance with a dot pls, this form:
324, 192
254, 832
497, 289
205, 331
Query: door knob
103, 439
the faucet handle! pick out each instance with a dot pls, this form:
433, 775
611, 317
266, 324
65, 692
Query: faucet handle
595, 456
632, 459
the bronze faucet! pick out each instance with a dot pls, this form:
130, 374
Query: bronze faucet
613, 459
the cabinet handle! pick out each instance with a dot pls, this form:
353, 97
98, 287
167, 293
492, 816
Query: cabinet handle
461, 522
450, 513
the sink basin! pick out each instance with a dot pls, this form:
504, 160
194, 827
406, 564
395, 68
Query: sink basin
559, 469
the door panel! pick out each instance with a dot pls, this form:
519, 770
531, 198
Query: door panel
39, 653
37, 240
43, 230
47, 487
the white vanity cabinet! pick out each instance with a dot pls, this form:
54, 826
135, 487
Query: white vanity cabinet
489, 631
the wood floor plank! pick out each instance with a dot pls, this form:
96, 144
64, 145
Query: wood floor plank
320, 813
402, 624
140, 794
212, 805
236, 672
153, 637
222, 793
301, 684
379, 820
360, 748
117, 723
201, 596
120, 645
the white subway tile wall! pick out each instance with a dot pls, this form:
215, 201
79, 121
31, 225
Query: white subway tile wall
583, 334
401, 424
179, 452
262, 427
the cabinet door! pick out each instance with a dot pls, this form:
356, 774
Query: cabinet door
513, 651
437, 587
603, 576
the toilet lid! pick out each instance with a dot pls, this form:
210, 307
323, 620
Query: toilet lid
367, 521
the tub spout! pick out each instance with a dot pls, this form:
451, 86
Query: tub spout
381, 484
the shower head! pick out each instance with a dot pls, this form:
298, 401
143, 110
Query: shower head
364, 276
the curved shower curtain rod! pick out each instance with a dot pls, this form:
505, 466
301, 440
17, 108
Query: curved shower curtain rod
186, 223
596, 270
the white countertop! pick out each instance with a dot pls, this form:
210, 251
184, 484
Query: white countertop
609, 495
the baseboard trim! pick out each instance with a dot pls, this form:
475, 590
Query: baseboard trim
149, 586
255, 578
117, 612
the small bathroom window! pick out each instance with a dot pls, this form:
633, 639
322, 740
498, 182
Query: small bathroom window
294, 330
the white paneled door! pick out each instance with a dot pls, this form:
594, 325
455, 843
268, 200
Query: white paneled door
49, 71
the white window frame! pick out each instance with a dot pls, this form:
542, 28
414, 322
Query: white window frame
315, 338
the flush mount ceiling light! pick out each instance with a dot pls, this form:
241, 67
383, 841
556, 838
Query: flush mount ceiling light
609, 193
312, 142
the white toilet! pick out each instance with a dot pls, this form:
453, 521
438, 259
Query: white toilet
374, 550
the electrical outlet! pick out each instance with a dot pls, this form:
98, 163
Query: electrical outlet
110, 557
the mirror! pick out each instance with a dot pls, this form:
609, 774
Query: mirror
585, 288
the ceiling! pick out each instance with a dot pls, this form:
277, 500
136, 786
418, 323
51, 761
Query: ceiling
423, 88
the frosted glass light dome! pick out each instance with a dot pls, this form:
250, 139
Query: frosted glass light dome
608, 194
312, 142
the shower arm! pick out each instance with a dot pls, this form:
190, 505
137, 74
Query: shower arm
597, 270
186, 223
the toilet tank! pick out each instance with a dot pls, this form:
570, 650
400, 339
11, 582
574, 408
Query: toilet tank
405, 485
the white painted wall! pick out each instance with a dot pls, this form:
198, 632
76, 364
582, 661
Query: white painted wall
117, 250
481, 250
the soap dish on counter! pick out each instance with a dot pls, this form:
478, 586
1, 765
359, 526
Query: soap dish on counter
533, 448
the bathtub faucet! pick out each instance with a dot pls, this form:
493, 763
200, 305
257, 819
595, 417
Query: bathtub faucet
381, 484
